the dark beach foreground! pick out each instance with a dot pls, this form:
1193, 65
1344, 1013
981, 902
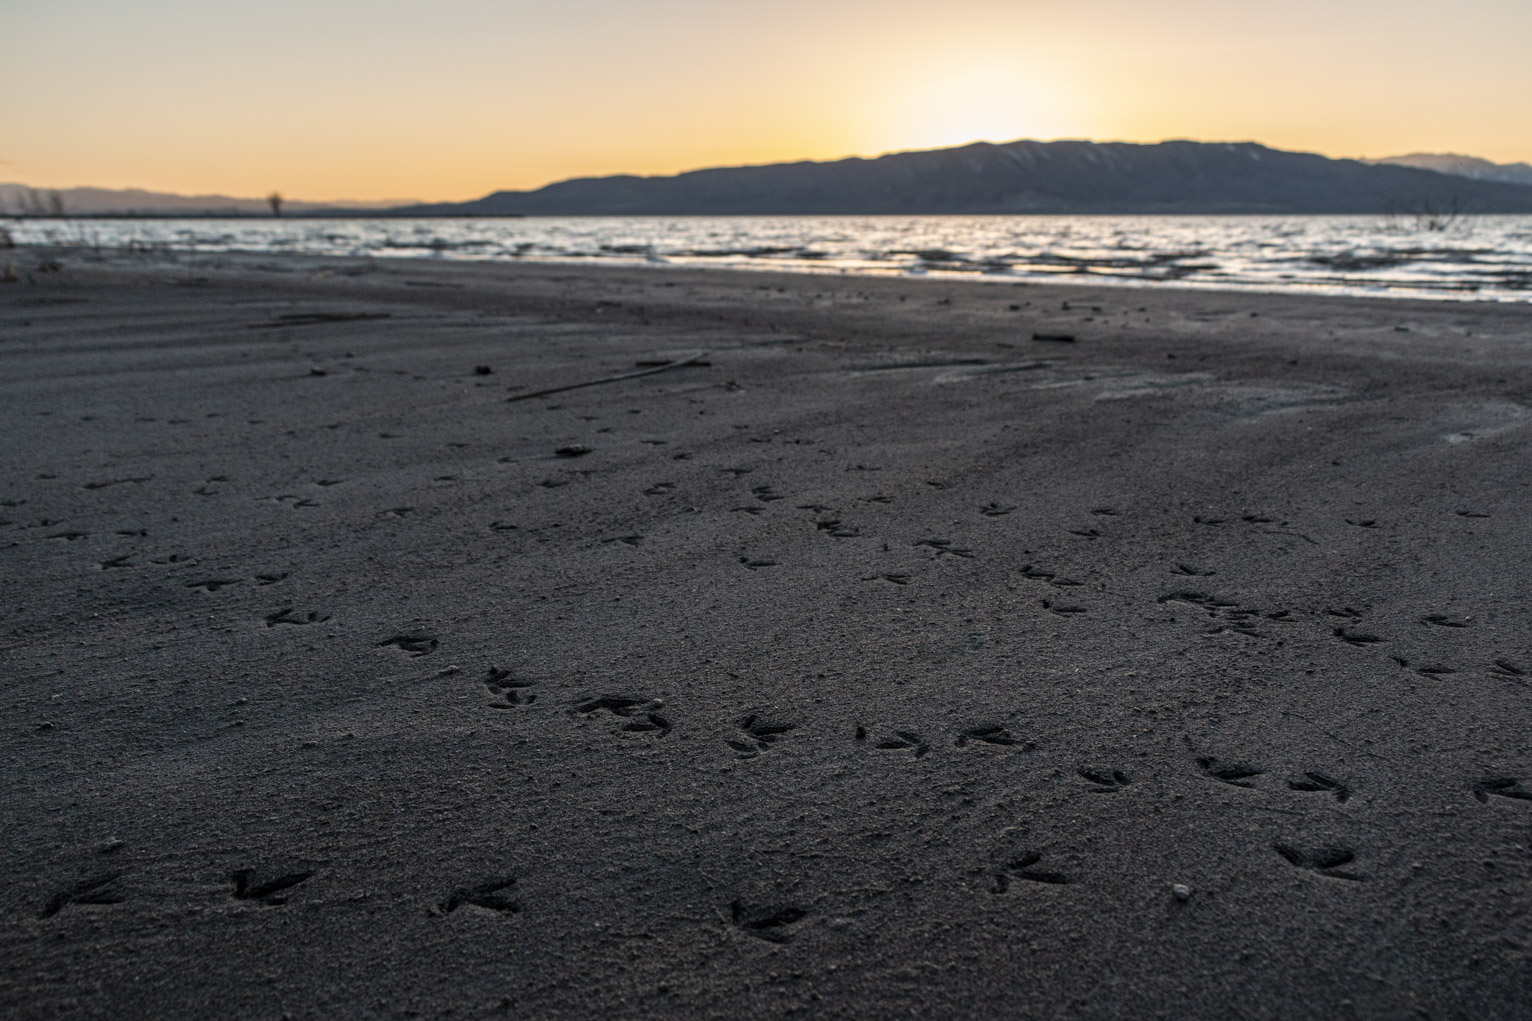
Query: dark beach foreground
881, 660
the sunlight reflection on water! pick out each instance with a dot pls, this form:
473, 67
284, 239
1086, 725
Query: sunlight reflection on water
1479, 258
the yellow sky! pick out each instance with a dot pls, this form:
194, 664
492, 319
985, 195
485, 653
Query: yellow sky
450, 99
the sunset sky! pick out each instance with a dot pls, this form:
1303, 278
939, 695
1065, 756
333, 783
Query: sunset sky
450, 99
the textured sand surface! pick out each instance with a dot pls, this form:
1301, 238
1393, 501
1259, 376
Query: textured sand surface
882, 661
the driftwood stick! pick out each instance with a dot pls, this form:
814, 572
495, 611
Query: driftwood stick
689, 360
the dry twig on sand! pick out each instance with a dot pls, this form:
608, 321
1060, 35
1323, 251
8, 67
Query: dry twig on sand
678, 363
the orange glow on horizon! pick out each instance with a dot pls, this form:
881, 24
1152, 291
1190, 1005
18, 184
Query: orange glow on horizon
336, 99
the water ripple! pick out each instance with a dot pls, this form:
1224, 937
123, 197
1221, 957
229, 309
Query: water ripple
1480, 257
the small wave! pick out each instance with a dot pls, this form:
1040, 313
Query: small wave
1343, 255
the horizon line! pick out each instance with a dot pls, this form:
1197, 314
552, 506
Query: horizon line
406, 202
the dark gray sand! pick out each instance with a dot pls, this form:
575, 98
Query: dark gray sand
883, 660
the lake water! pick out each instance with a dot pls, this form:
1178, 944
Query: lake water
1471, 258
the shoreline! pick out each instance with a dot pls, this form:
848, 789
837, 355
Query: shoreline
878, 658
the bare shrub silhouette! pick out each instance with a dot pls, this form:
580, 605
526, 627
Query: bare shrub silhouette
1426, 214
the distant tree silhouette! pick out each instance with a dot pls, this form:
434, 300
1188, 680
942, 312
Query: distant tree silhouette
31, 202
1429, 216
275, 201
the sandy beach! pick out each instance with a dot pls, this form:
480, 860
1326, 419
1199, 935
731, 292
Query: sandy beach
914, 649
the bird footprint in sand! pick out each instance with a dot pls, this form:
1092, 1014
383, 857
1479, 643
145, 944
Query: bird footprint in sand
1316, 782
1501, 787
989, 734
268, 891
508, 690
98, 890
416, 643
1233, 773
760, 734
903, 740
1024, 866
494, 895
1107, 781
1327, 861
768, 922
642, 715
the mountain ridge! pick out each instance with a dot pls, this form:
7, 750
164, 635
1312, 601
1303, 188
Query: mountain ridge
1024, 176
21, 199
1459, 165
1017, 177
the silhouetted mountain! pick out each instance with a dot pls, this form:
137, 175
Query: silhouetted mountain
1462, 166
1019, 177
21, 200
